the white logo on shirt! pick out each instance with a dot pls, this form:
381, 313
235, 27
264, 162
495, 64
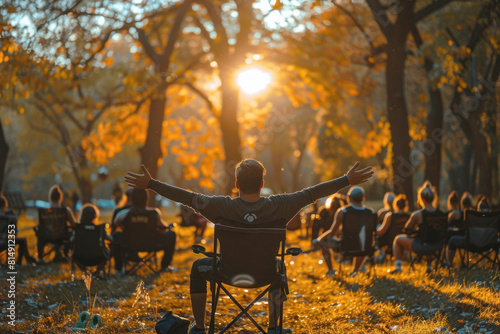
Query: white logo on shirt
250, 217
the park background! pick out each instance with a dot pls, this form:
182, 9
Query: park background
91, 89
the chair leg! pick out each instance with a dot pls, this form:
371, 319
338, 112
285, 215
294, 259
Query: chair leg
215, 287
244, 311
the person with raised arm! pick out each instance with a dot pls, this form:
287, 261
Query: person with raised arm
249, 207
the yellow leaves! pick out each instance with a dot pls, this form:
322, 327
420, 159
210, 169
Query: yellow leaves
190, 172
207, 183
108, 61
353, 92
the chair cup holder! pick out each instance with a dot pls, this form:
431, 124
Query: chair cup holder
197, 249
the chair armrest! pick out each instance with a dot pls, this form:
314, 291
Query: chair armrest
294, 251
197, 249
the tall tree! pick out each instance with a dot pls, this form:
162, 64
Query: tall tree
229, 51
396, 36
473, 71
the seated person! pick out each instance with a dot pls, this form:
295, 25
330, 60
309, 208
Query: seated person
388, 207
466, 202
460, 241
125, 203
249, 206
455, 216
56, 198
400, 206
330, 240
22, 251
323, 219
89, 215
165, 239
428, 201
484, 205
191, 218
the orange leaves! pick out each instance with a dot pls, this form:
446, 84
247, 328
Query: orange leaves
375, 140
108, 61
191, 172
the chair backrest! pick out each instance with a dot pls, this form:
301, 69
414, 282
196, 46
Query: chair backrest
89, 241
140, 230
398, 222
358, 233
482, 228
248, 251
434, 227
52, 224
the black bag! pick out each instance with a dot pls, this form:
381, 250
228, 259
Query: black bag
172, 324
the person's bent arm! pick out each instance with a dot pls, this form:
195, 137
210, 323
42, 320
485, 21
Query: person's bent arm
385, 225
414, 220
71, 219
334, 228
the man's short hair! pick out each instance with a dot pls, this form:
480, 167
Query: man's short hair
55, 194
249, 175
139, 197
356, 194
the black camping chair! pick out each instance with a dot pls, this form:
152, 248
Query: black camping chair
432, 231
89, 248
398, 222
139, 229
358, 236
245, 256
482, 235
53, 229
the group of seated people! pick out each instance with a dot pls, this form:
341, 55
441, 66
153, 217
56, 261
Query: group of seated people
404, 234
57, 228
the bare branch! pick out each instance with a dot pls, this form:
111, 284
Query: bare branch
202, 95
380, 13
429, 9
173, 35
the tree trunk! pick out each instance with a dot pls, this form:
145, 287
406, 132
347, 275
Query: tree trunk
433, 144
81, 172
403, 167
4, 152
483, 157
229, 126
151, 151
495, 145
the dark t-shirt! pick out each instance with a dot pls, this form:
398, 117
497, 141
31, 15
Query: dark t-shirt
266, 209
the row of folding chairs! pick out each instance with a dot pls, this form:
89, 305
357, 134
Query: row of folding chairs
480, 229
89, 244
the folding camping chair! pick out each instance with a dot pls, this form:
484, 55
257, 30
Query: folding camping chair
245, 257
52, 229
139, 229
482, 236
358, 236
398, 222
432, 231
89, 248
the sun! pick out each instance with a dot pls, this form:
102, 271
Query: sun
253, 79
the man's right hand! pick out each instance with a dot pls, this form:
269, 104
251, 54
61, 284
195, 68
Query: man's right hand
359, 176
138, 180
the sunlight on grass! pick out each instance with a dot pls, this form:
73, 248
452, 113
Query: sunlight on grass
380, 303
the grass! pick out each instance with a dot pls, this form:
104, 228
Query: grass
413, 302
